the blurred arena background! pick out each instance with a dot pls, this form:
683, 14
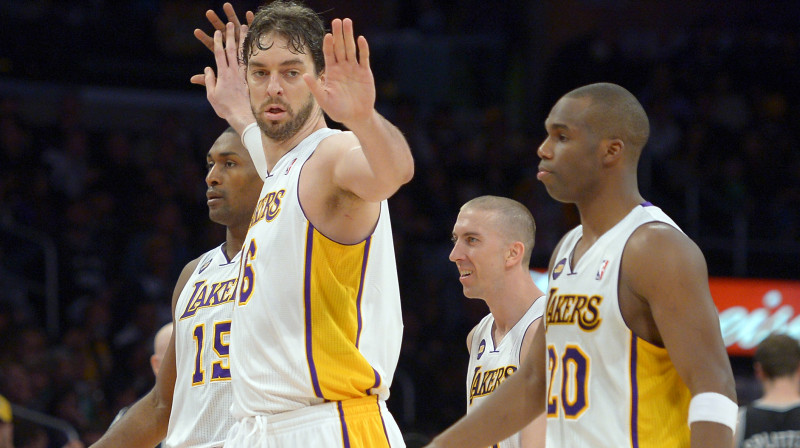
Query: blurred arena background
103, 144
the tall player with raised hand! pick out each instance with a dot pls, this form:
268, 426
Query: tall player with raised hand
317, 325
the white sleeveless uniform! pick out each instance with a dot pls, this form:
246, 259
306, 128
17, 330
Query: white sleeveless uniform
607, 387
201, 403
315, 322
490, 365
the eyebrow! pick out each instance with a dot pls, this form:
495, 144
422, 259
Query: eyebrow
223, 154
556, 126
288, 62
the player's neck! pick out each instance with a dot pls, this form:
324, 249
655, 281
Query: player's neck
781, 391
513, 302
234, 238
275, 149
604, 210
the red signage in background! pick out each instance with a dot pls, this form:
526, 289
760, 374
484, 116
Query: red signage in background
750, 309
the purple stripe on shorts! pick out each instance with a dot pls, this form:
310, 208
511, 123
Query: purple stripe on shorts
345, 435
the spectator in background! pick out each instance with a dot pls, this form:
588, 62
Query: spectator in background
776, 415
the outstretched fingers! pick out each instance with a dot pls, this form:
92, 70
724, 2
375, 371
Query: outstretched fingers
209, 80
219, 24
219, 51
349, 40
339, 51
231, 44
198, 79
363, 52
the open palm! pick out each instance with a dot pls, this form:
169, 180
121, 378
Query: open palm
347, 89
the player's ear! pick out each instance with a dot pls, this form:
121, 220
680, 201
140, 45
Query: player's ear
515, 253
613, 148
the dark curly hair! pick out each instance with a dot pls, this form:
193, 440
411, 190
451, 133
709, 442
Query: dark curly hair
301, 26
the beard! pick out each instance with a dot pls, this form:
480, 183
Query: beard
282, 132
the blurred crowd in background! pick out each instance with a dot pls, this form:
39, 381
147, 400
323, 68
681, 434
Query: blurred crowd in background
469, 83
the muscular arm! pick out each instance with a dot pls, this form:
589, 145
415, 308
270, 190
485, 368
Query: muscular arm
380, 160
145, 423
511, 406
676, 291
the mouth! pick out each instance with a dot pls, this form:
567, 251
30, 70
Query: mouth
464, 273
274, 111
213, 197
543, 172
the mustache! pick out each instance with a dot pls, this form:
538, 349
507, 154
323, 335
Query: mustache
274, 102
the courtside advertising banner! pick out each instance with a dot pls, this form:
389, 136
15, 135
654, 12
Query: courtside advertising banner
751, 309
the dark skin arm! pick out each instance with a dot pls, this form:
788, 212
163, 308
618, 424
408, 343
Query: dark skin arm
668, 303
145, 423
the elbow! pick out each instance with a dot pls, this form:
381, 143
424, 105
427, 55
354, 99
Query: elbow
407, 173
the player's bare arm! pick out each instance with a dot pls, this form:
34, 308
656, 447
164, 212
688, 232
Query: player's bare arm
675, 291
379, 161
469, 339
533, 434
503, 413
145, 424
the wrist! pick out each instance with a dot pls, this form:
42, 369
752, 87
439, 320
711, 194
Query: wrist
364, 124
239, 122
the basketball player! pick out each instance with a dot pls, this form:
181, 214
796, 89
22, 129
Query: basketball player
196, 367
773, 419
633, 342
492, 243
317, 321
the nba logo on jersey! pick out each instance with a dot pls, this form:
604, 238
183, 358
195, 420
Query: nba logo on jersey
602, 270
290, 166
481, 348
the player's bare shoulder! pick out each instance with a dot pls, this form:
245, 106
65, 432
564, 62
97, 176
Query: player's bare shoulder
656, 249
661, 241
335, 145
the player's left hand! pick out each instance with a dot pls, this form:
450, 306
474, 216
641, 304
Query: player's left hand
346, 91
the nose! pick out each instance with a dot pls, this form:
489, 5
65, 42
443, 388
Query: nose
544, 151
213, 176
274, 88
455, 254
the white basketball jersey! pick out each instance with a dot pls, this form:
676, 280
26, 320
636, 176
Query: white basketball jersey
202, 400
607, 387
490, 364
315, 320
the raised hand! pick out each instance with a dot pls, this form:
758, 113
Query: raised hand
227, 90
347, 90
219, 25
